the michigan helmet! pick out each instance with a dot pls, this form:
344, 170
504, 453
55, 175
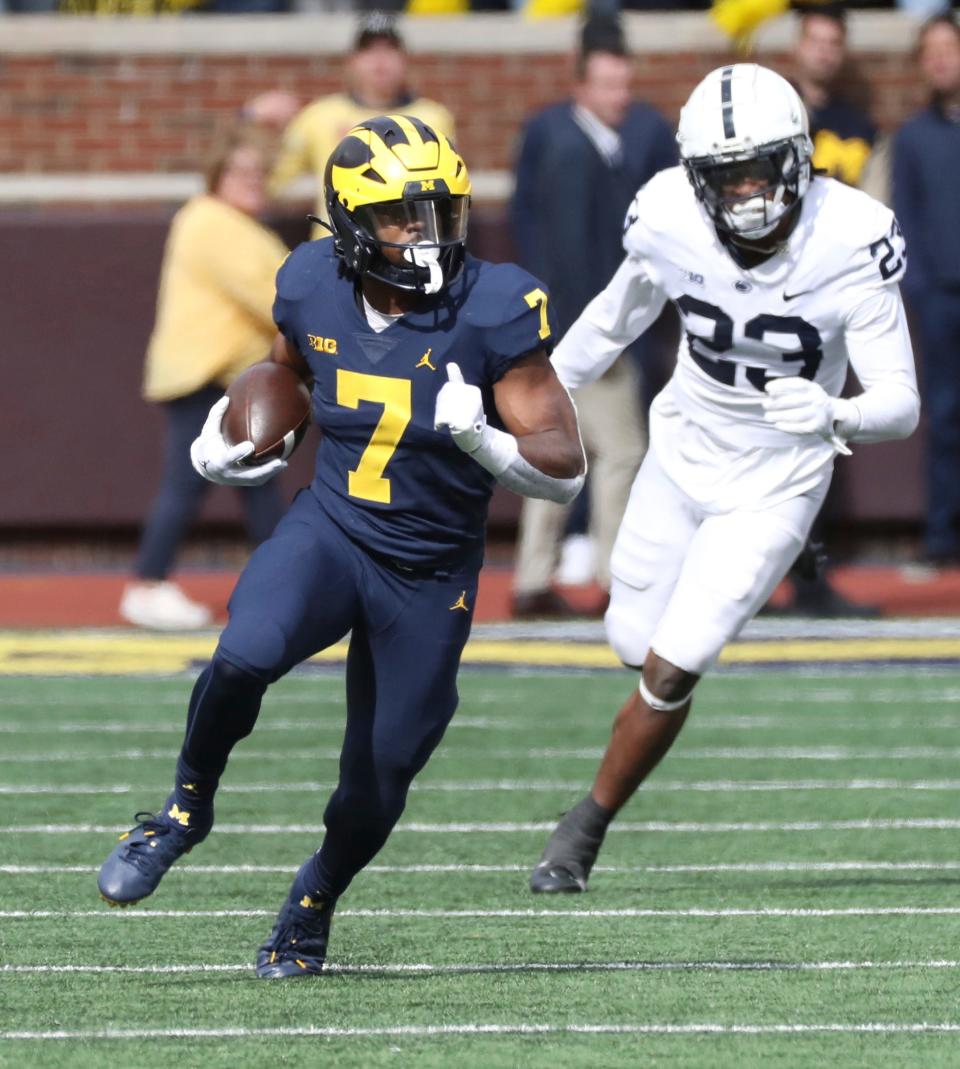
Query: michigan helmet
744, 140
398, 197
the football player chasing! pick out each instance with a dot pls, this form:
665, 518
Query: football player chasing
780, 278
431, 380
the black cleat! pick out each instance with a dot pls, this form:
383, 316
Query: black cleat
297, 946
558, 877
564, 867
140, 860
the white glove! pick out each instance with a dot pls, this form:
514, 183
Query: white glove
220, 463
460, 408
799, 406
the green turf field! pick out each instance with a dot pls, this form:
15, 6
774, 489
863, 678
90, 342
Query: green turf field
783, 891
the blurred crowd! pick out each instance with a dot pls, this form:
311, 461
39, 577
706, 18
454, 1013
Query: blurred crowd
737, 12
577, 165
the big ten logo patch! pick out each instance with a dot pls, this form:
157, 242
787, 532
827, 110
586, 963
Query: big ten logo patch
322, 345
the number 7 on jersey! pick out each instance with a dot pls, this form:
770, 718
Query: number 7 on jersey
538, 299
366, 481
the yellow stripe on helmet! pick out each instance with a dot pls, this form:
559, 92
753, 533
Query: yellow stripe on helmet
379, 159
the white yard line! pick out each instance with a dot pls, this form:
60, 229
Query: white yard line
520, 786
778, 753
470, 914
415, 1030
188, 869
427, 969
461, 828
752, 753
67, 756
128, 727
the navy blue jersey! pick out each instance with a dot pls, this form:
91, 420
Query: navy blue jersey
393, 483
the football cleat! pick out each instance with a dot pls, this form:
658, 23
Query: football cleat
558, 877
297, 946
138, 863
568, 857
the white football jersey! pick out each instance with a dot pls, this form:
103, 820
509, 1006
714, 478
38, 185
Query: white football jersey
829, 296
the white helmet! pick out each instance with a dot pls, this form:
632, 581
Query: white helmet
745, 122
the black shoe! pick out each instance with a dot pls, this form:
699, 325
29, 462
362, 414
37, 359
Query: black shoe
140, 860
542, 605
297, 946
564, 867
559, 877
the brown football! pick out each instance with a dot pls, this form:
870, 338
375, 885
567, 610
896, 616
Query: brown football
269, 406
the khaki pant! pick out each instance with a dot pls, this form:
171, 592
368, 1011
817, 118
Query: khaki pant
614, 433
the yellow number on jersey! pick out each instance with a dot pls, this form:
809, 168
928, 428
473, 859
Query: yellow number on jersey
538, 297
367, 481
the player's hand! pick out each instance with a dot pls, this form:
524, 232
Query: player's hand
221, 463
460, 408
799, 406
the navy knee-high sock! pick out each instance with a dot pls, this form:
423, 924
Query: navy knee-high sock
223, 709
359, 818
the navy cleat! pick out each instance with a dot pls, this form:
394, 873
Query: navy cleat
297, 946
140, 860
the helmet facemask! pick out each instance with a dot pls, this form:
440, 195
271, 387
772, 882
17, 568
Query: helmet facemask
775, 176
418, 243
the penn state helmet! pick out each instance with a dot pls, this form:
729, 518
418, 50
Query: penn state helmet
745, 122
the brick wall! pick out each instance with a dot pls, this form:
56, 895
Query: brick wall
103, 113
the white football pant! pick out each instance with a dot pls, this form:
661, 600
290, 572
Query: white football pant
685, 580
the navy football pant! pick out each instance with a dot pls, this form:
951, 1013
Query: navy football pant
182, 490
302, 591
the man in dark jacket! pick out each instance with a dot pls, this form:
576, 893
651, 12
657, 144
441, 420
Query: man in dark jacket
842, 134
580, 164
926, 163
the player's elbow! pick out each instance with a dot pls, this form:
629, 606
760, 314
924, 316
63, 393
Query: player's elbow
570, 470
907, 416
563, 490
912, 418
888, 413
572, 464
567, 463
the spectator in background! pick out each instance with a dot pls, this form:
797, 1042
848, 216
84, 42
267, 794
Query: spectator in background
843, 138
376, 77
842, 134
579, 166
926, 166
214, 319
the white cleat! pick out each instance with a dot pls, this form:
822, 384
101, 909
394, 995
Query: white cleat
162, 607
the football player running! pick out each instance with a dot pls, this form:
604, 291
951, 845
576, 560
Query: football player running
431, 381
780, 278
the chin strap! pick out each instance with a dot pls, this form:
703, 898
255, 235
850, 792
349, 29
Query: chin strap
321, 222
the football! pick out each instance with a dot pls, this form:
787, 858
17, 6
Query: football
269, 406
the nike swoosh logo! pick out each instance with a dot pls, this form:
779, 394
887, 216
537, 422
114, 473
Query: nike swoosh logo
793, 296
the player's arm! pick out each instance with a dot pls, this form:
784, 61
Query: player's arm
614, 319
878, 345
881, 355
539, 453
